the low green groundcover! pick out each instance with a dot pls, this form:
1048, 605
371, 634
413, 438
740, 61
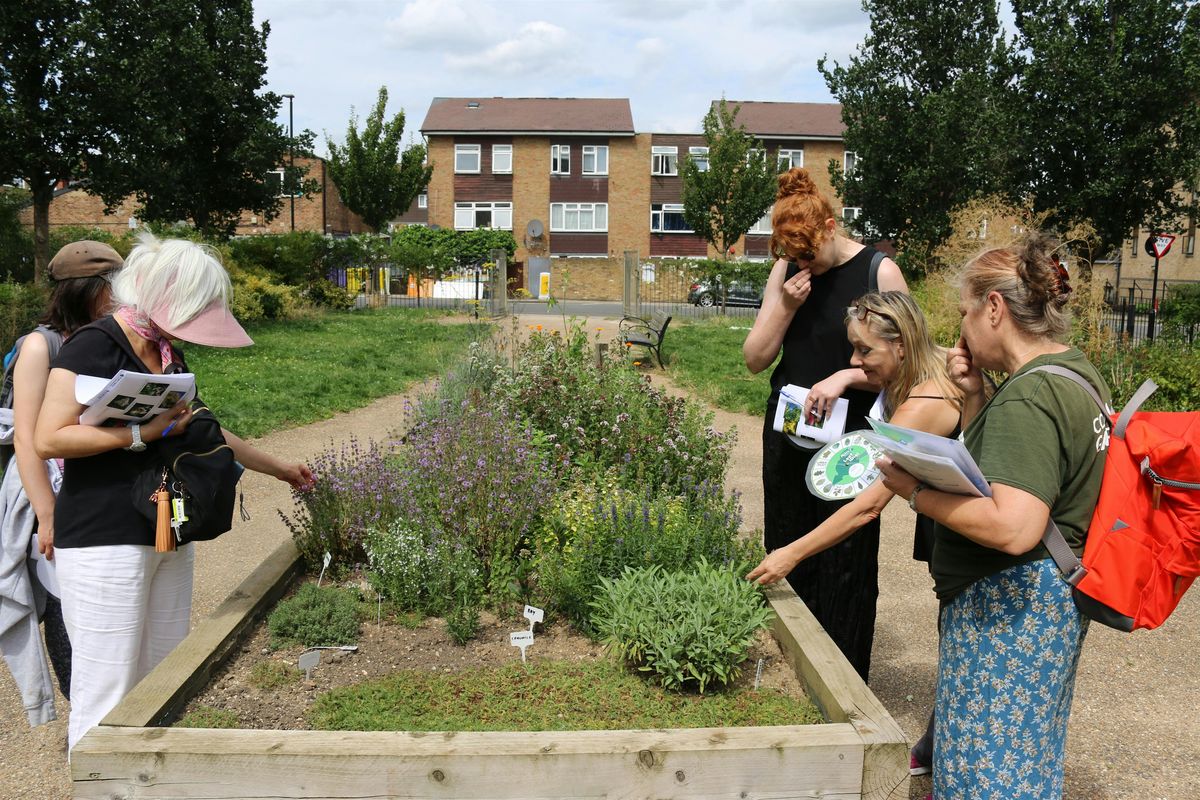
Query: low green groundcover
544, 696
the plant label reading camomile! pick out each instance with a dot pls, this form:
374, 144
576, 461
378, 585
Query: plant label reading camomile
521, 639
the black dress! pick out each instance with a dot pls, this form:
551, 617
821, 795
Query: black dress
840, 585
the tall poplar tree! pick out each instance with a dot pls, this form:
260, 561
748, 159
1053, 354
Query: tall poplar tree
375, 179
919, 99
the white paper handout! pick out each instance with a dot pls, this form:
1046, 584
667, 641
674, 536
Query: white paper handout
789, 419
131, 396
935, 460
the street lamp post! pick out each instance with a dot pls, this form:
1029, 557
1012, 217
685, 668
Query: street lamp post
291, 158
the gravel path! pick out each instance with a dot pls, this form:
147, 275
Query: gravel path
1135, 730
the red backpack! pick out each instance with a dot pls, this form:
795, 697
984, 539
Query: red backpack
1143, 545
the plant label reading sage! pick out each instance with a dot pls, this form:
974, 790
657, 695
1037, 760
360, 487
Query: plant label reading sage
534, 615
521, 639
308, 662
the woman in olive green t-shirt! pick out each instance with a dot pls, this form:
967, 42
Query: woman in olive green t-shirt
1010, 632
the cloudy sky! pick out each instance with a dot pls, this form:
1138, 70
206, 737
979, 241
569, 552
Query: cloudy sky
669, 57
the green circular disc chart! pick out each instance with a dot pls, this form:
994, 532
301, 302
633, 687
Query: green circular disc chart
842, 469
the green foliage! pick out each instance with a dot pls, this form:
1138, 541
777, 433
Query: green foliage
257, 298
273, 674
314, 617
375, 179
569, 696
421, 570
918, 100
21, 306
209, 717
686, 628
1173, 365
724, 201
327, 294
595, 532
1182, 307
463, 622
1120, 165
295, 258
16, 245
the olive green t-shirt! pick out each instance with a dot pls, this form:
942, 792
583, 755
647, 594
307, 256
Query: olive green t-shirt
1044, 435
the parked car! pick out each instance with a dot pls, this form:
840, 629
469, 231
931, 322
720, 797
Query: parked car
740, 294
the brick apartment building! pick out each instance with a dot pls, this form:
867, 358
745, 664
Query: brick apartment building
323, 212
576, 171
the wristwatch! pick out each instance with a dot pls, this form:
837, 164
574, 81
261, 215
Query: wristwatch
138, 445
912, 498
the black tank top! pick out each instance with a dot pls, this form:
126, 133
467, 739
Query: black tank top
815, 345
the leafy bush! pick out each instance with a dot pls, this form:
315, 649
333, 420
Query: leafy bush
21, 306
419, 569
315, 616
684, 628
591, 533
256, 297
294, 258
327, 294
356, 490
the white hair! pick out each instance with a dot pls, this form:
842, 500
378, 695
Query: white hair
174, 277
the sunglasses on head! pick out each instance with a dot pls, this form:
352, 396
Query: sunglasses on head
859, 312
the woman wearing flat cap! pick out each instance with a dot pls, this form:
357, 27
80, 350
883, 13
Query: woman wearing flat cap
81, 272
126, 605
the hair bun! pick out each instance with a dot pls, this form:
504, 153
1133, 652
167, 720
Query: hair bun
794, 182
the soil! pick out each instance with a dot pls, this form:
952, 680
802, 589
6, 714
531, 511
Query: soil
386, 647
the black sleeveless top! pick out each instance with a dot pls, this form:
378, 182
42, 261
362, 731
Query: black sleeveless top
815, 345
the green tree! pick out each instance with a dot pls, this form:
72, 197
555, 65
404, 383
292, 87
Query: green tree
187, 127
375, 179
919, 99
725, 197
47, 122
1109, 109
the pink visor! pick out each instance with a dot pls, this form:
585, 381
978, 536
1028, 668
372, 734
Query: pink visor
214, 327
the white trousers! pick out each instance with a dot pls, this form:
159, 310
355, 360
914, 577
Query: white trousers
125, 607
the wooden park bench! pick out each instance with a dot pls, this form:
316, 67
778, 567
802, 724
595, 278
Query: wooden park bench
647, 333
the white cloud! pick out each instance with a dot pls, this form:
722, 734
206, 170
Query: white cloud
439, 24
536, 48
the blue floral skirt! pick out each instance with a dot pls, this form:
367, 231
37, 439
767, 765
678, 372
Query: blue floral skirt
1009, 647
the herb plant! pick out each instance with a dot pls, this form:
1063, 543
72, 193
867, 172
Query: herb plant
315, 616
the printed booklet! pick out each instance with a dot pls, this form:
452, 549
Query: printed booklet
789, 419
935, 460
131, 396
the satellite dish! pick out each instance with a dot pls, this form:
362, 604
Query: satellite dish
534, 229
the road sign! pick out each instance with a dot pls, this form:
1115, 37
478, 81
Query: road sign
1157, 244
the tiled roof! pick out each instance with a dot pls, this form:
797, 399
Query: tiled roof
529, 115
822, 120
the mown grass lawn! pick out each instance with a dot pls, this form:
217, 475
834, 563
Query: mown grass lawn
706, 357
301, 371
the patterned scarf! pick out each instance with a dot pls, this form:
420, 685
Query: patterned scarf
143, 327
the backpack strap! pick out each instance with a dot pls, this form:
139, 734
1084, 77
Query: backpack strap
1072, 569
873, 272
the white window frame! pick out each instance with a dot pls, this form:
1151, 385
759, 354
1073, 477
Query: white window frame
468, 150
1189, 245
664, 159
423, 200
499, 211
751, 151
281, 175
849, 162
560, 159
657, 213
763, 225
598, 153
699, 156
794, 157
497, 151
562, 215
850, 214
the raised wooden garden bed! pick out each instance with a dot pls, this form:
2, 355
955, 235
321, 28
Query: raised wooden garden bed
859, 752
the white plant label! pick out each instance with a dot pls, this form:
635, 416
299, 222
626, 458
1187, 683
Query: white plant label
534, 615
308, 662
324, 566
521, 639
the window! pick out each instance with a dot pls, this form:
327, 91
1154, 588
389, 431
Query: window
764, 223
469, 216
1133, 245
849, 162
422, 200
850, 214
699, 157
754, 152
560, 159
1189, 245
579, 217
664, 160
668, 218
595, 159
274, 181
787, 159
467, 157
501, 159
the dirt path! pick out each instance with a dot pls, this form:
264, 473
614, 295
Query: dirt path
1135, 730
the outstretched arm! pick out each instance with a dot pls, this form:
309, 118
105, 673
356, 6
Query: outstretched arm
297, 474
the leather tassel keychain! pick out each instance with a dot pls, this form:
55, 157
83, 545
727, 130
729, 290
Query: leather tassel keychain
164, 535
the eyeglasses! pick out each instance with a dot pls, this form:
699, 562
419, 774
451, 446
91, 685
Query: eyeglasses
859, 312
